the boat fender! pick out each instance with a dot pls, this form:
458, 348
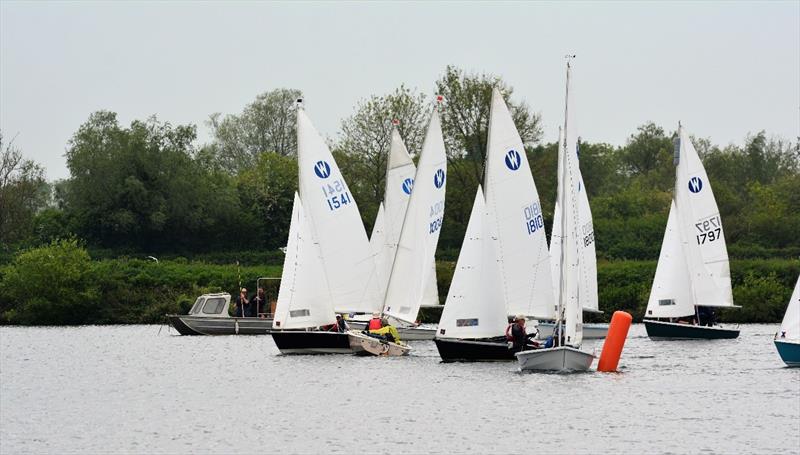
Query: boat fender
615, 341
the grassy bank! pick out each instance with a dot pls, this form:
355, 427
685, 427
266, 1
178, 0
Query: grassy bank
61, 284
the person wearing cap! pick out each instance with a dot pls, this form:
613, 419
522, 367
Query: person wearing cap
515, 333
242, 304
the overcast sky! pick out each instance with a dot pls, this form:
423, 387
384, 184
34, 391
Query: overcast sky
723, 69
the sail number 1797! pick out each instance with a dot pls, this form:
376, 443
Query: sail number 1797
708, 230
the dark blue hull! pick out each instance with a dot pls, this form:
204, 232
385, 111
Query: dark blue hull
789, 352
659, 330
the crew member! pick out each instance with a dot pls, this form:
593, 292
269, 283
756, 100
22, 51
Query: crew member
515, 333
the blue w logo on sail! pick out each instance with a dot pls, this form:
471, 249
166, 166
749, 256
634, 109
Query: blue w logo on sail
695, 184
408, 185
438, 178
513, 160
322, 169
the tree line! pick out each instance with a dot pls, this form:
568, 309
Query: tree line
149, 188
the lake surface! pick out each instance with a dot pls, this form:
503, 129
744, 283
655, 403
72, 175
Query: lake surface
131, 389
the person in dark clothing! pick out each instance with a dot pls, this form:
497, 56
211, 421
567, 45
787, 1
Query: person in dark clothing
515, 333
706, 316
341, 324
258, 303
242, 304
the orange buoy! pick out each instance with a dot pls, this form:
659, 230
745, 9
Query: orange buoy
612, 348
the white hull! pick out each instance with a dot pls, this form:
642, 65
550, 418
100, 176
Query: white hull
562, 358
360, 343
590, 331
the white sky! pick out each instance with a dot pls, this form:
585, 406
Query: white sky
724, 69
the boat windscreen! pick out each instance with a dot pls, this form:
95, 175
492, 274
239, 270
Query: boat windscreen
197, 305
214, 305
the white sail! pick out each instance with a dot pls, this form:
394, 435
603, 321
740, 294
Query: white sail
516, 216
421, 227
475, 307
586, 247
671, 292
701, 229
335, 223
572, 287
378, 248
400, 174
303, 298
790, 327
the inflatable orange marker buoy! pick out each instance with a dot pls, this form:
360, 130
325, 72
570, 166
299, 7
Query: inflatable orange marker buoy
612, 348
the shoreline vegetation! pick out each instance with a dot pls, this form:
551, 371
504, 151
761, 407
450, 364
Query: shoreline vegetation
60, 284
74, 251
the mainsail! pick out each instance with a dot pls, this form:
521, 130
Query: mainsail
420, 229
303, 298
475, 307
400, 174
335, 223
790, 326
693, 267
515, 217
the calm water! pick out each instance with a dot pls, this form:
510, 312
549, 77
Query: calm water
130, 389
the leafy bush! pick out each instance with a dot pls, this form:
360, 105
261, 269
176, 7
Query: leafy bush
53, 284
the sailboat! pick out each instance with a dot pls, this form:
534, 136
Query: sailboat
328, 266
474, 320
692, 275
586, 251
503, 267
574, 281
787, 340
419, 235
304, 302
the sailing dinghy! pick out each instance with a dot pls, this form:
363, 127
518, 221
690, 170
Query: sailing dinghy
328, 266
574, 282
787, 340
587, 255
692, 275
419, 234
503, 267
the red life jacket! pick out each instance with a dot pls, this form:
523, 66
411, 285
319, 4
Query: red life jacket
374, 324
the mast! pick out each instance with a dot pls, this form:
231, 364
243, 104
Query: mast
562, 171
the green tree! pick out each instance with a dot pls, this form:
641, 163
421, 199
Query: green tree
265, 125
366, 136
140, 188
52, 284
23, 191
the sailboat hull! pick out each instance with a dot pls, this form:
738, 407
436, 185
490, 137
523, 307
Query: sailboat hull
458, 350
562, 358
789, 352
590, 331
364, 345
659, 330
311, 342
406, 333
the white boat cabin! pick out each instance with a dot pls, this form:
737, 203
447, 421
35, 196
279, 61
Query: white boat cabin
211, 305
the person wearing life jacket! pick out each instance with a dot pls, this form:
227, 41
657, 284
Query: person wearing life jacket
387, 332
515, 333
375, 322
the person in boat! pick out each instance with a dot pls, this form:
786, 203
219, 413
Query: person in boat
516, 334
387, 332
706, 316
258, 302
341, 324
375, 323
242, 304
